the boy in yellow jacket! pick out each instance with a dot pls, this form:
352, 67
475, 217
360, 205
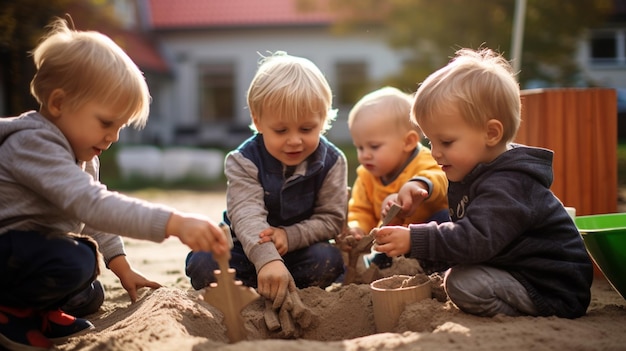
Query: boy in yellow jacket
390, 154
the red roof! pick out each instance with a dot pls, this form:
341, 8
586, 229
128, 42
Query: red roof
169, 14
138, 45
141, 50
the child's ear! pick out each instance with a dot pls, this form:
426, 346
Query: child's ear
257, 125
494, 131
55, 102
410, 140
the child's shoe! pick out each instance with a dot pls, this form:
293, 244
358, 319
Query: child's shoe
58, 326
379, 259
86, 302
19, 330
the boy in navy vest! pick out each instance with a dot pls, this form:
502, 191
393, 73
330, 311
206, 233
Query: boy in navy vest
287, 184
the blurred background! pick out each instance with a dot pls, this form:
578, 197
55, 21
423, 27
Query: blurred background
199, 56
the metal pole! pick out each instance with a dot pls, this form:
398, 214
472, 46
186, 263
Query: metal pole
518, 35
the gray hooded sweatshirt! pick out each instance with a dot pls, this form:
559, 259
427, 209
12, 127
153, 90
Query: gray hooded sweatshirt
43, 188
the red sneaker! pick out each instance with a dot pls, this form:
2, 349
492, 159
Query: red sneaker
58, 326
19, 330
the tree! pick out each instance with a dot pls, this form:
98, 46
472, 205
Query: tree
428, 32
22, 23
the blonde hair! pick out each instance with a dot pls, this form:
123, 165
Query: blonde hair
389, 101
290, 86
89, 66
480, 84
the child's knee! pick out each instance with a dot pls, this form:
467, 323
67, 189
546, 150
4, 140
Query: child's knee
88, 261
455, 284
334, 266
483, 290
199, 267
75, 264
329, 254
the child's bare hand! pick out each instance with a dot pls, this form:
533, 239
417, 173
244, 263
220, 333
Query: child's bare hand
349, 238
392, 241
198, 232
135, 281
273, 282
130, 279
410, 196
387, 203
390, 200
276, 235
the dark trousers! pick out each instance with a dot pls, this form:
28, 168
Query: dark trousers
317, 265
42, 271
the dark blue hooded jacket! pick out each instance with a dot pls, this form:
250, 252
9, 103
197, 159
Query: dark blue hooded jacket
504, 215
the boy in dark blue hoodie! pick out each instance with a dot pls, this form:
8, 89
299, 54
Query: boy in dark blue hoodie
511, 247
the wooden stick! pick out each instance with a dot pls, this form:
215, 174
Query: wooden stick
365, 244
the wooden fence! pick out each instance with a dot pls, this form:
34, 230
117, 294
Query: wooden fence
580, 126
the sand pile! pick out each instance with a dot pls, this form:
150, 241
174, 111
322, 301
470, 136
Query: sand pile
175, 318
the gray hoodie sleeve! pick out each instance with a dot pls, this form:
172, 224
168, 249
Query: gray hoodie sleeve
48, 190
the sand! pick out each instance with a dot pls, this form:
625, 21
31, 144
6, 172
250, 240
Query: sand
174, 317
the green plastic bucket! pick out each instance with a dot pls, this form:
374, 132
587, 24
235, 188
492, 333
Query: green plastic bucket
605, 238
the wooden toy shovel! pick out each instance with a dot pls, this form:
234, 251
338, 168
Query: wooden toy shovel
229, 295
364, 244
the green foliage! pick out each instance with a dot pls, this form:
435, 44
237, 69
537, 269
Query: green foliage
22, 24
353, 162
429, 32
110, 176
621, 164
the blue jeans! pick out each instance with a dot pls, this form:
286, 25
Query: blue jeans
43, 271
317, 265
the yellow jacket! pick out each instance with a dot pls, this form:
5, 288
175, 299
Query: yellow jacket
368, 192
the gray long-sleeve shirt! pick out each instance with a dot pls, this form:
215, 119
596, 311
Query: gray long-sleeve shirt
43, 188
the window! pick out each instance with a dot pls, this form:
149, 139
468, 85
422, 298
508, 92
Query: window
352, 82
217, 92
608, 47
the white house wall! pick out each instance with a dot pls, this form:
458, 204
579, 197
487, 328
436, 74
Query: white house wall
186, 50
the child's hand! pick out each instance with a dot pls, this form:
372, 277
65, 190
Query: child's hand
130, 279
198, 232
387, 203
273, 281
349, 238
276, 235
390, 200
357, 233
410, 196
392, 241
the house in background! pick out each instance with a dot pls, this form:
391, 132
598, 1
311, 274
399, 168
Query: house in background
207, 52
212, 49
602, 56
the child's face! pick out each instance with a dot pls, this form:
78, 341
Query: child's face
290, 141
380, 144
90, 129
456, 146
